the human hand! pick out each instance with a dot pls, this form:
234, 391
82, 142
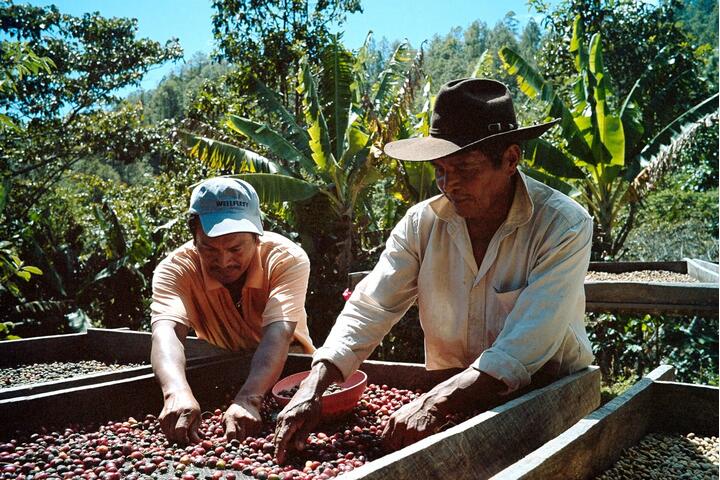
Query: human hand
296, 421
242, 418
414, 421
180, 417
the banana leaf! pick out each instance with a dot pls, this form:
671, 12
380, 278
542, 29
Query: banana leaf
317, 127
542, 154
275, 188
550, 181
274, 141
270, 104
705, 107
221, 155
335, 91
534, 86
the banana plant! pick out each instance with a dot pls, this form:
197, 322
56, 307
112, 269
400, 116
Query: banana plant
333, 150
604, 143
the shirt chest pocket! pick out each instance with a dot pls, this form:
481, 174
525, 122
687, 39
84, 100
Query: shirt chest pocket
499, 306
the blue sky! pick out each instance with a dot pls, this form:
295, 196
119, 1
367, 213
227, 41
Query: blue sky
190, 20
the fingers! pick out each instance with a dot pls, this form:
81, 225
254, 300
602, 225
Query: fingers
235, 429
284, 432
167, 425
390, 438
301, 436
182, 428
194, 434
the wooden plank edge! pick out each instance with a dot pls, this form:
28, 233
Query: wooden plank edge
99, 377
551, 460
663, 372
388, 465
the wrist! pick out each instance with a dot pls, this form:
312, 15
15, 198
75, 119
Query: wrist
249, 398
322, 375
177, 391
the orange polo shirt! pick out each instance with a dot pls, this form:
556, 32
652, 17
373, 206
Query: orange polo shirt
274, 291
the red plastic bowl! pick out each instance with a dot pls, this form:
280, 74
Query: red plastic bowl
333, 405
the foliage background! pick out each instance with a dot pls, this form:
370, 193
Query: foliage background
94, 187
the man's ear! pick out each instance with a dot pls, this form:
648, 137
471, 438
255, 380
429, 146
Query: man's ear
511, 159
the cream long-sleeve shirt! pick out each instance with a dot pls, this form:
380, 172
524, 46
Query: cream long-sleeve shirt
521, 310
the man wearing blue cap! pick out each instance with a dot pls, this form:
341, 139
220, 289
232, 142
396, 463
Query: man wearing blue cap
239, 288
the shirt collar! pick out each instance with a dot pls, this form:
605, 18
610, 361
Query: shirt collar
520, 213
254, 278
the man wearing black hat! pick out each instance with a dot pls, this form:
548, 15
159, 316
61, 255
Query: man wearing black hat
496, 264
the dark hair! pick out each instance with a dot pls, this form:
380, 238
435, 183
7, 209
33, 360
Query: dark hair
495, 150
193, 223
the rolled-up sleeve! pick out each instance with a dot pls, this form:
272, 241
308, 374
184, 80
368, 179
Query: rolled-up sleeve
549, 308
171, 299
378, 302
288, 287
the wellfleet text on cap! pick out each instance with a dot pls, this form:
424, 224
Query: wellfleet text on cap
226, 205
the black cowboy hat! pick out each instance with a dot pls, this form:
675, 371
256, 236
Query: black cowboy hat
467, 112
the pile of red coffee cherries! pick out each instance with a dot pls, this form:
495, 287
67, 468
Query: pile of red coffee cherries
137, 449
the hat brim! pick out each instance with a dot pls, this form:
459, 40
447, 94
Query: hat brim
424, 149
217, 224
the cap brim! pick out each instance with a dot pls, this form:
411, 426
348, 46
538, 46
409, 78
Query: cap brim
217, 224
424, 149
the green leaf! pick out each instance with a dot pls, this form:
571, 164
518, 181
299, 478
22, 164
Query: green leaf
355, 140
317, 127
335, 91
270, 103
4, 193
23, 274
577, 47
392, 77
544, 155
265, 135
534, 86
484, 66
675, 127
550, 181
275, 188
33, 270
221, 155
421, 179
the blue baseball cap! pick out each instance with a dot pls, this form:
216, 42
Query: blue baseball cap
226, 205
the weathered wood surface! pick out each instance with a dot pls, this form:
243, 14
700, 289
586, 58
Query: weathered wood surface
485, 444
644, 297
596, 442
666, 294
652, 309
120, 346
110, 346
622, 267
118, 399
702, 271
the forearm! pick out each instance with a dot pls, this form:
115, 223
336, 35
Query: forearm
266, 365
168, 362
322, 375
468, 390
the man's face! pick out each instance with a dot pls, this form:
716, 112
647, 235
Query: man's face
471, 182
227, 257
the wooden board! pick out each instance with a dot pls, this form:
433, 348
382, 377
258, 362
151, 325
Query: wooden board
596, 442
117, 399
120, 346
658, 298
110, 346
485, 444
